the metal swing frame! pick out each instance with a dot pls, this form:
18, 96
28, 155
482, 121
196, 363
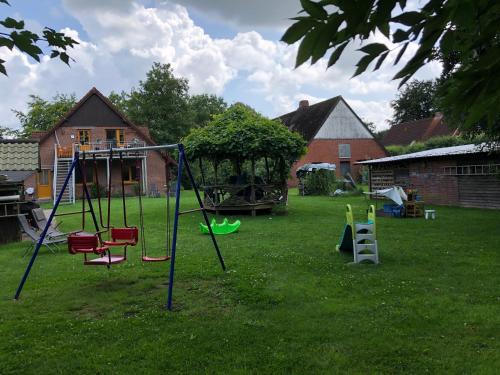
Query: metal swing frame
182, 163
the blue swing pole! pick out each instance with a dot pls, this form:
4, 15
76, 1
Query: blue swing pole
47, 226
176, 224
200, 202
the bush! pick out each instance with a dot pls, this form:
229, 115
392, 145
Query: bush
415, 147
102, 191
432, 143
394, 150
320, 182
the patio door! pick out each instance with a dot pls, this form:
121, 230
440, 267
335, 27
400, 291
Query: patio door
44, 184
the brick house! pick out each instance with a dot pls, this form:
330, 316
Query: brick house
335, 134
95, 123
417, 131
466, 175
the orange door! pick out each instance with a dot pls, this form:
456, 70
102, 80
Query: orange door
44, 184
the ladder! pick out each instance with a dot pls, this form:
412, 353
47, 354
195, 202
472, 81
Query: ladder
61, 169
365, 243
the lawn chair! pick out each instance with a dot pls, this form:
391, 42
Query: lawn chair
41, 222
49, 243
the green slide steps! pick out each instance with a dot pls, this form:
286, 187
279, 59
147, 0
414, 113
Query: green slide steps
224, 228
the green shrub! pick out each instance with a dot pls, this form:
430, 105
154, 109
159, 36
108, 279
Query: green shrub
415, 147
394, 150
321, 182
102, 191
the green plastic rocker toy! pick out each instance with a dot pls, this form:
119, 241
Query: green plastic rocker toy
224, 228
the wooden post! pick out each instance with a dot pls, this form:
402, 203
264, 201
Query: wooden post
215, 190
268, 175
200, 164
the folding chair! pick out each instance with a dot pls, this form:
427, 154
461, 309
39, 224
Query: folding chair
49, 243
41, 222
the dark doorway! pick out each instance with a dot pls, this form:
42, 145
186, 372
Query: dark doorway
345, 167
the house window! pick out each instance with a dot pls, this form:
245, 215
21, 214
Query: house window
84, 136
89, 176
129, 173
115, 137
345, 150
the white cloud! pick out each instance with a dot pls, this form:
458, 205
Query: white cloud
247, 14
126, 37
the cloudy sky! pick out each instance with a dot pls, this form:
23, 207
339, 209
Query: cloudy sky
226, 47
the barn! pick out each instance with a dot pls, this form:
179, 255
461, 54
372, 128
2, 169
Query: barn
466, 175
335, 134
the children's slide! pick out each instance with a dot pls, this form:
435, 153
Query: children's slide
345, 243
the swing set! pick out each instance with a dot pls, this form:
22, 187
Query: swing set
86, 243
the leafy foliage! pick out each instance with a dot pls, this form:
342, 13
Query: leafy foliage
320, 182
415, 101
13, 34
43, 114
6, 132
435, 142
162, 103
241, 134
204, 107
465, 34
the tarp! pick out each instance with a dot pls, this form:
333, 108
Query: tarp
395, 193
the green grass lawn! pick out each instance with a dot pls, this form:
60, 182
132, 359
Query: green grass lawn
287, 304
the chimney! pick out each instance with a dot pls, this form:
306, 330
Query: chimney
304, 103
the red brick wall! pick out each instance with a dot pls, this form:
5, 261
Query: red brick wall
155, 163
432, 185
327, 151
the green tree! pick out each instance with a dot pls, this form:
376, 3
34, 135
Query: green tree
14, 35
43, 114
205, 106
6, 132
241, 134
161, 102
414, 101
464, 33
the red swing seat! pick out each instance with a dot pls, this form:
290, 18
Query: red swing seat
123, 237
85, 244
155, 259
79, 243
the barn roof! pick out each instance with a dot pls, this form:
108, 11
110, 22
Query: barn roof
308, 120
420, 130
19, 155
437, 152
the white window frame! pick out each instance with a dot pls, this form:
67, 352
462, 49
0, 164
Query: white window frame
343, 147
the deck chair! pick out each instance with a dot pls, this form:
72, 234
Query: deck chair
49, 243
41, 222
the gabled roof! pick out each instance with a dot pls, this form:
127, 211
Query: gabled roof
436, 152
420, 130
113, 108
19, 155
308, 120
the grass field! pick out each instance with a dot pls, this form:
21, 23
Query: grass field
287, 304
